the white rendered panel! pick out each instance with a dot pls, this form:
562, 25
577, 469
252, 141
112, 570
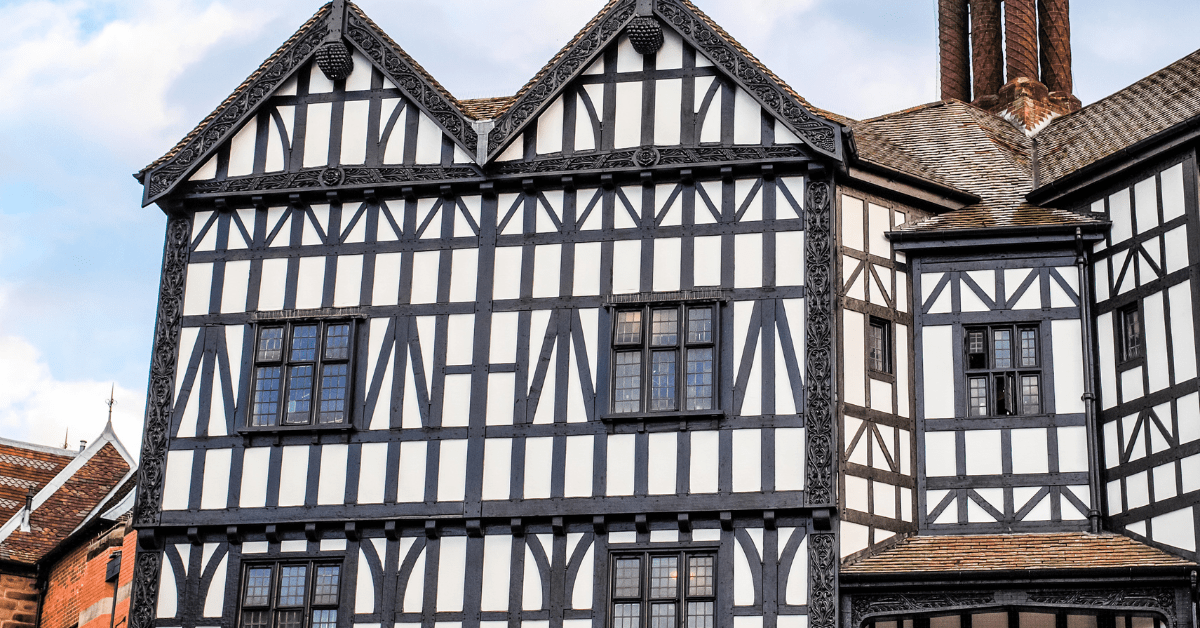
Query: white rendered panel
354, 130
214, 493
743, 578
879, 222
670, 56
241, 150
789, 258
1172, 192
504, 337
1155, 328
168, 590
539, 453
255, 467
508, 273
514, 152
621, 463
627, 265
497, 468
668, 110
316, 138
364, 589
1137, 487
425, 277
293, 475
1108, 369
747, 461
372, 459
797, 583
856, 493
331, 487
1072, 449
705, 449
310, 283
707, 259
747, 118
587, 269
667, 254
881, 396
587, 135
1189, 418
273, 284
456, 400
1183, 332
1145, 203
1132, 386
452, 470
198, 289
429, 141
983, 452
460, 339
710, 128
386, 288
547, 262
1189, 471
854, 368
1030, 452
414, 593
1176, 245
347, 288
789, 459
1119, 213
550, 128
901, 369
177, 480
214, 600
748, 260
938, 361
237, 283
852, 223
531, 593
497, 560
1176, 529
411, 472
579, 472
940, 456
1164, 481
452, 567
628, 59
627, 130
207, 171
784, 135
663, 447
464, 265
743, 188
1067, 342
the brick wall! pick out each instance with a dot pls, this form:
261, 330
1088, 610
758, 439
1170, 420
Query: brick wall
76, 592
18, 602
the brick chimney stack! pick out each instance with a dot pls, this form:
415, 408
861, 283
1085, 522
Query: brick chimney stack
1023, 40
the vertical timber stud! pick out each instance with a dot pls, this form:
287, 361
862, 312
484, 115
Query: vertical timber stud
955, 50
160, 399
819, 409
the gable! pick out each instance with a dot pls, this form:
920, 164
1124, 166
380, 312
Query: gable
699, 89
288, 126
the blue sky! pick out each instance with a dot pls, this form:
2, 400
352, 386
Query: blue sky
95, 89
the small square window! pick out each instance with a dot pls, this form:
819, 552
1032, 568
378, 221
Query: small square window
1130, 320
302, 375
879, 346
653, 590
668, 367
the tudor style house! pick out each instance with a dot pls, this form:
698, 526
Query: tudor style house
656, 343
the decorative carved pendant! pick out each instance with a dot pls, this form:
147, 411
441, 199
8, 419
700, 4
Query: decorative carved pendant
646, 35
333, 57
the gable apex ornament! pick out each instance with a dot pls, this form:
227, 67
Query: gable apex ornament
333, 57
645, 32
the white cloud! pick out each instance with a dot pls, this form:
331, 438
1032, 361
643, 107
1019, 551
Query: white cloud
36, 407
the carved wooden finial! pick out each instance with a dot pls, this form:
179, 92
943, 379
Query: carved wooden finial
333, 57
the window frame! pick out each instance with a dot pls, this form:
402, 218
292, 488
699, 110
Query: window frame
1012, 375
889, 344
645, 600
272, 607
245, 421
680, 348
1123, 344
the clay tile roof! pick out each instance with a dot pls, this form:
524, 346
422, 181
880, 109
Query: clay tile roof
485, 108
1154, 104
67, 501
24, 466
994, 552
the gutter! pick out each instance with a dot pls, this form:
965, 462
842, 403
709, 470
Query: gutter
951, 236
966, 578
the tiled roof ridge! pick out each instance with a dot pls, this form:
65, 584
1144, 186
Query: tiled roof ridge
986, 119
915, 108
44, 449
300, 32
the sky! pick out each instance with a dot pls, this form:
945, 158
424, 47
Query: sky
93, 90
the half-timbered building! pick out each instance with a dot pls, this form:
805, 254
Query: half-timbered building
655, 343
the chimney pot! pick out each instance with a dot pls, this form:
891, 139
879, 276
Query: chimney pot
82, 445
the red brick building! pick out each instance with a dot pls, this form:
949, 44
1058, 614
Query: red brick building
64, 534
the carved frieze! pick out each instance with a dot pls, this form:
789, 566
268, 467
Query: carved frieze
819, 341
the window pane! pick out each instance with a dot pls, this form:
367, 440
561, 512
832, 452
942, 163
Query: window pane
256, 619
292, 579
290, 619
627, 578
664, 328
877, 348
1132, 333
627, 395
976, 351
334, 380
299, 404
700, 379
700, 325
337, 342
1028, 347
662, 380
304, 343
664, 577
977, 402
627, 615
1031, 398
266, 395
629, 328
326, 618
700, 615
270, 344
325, 589
1002, 388
258, 587
1002, 339
662, 616
700, 575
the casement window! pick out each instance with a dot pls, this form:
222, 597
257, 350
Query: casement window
1003, 370
879, 345
665, 359
302, 374
290, 594
1129, 319
664, 590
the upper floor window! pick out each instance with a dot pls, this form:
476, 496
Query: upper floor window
649, 592
879, 346
1003, 369
1130, 320
290, 595
302, 374
665, 359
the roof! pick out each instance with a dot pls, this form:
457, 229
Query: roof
1150, 106
24, 466
92, 482
1000, 552
485, 108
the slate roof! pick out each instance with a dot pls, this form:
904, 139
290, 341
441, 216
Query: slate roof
996, 552
92, 481
1150, 106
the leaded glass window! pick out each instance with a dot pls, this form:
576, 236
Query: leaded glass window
667, 365
302, 374
1003, 370
290, 595
664, 590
